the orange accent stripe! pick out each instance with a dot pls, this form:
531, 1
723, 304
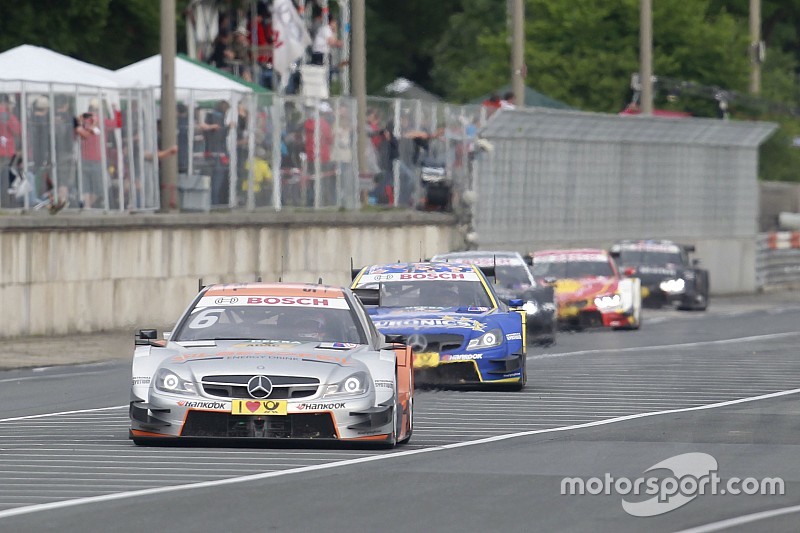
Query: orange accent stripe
370, 437
139, 433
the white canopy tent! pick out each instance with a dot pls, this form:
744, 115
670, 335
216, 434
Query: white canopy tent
34, 75
188, 76
40, 67
196, 83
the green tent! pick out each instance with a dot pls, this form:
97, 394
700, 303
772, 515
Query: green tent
533, 98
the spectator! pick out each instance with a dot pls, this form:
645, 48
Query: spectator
263, 39
222, 54
215, 129
508, 101
262, 178
342, 156
39, 127
374, 129
9, 135
92, 145
65, 125
491, 104
241, 54
322, 166
325, 38
242, 139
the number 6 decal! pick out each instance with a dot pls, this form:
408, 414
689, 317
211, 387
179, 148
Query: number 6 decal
206, 318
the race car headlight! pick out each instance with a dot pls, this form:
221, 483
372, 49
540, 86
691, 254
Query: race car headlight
489, 339
672, 285
168, 381
607, 302
531, 307
353, 385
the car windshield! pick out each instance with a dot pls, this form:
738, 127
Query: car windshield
267, 322
572, 269
641, 257
510, 272
512, 276
434, 293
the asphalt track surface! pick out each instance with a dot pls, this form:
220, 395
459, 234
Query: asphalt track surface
725, 383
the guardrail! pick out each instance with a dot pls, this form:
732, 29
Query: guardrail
778, 259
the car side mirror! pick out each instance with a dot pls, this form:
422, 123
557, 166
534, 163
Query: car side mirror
629, 271
695, 262
550, 280
394, 338
528, 260
143, 337
615, 254
515, 302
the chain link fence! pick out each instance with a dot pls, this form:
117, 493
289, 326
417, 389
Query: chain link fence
235, 150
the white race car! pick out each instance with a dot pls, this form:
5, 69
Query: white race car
272, 361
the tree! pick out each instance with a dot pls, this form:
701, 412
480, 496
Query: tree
66, 26
583, 52
109, 33
400, 40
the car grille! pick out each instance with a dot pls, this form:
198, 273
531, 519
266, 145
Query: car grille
283, 387
292, 426
442, 342
450, 374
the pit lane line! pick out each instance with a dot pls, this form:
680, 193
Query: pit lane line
742, 520
373, 458
663, 346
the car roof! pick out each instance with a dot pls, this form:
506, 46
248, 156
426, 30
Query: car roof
654, 245
430, 266
571, 251
476, 253
275, 289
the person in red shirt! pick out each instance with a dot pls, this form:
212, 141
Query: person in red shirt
10, 130
325, 143
92, 144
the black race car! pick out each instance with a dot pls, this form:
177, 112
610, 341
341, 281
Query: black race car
668, 275
514, 280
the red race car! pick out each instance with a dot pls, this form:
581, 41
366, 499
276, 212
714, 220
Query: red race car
590, 291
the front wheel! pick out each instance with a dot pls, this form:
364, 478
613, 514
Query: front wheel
524, 376
410, 427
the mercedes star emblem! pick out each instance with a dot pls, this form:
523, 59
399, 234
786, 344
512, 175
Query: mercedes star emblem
259, 387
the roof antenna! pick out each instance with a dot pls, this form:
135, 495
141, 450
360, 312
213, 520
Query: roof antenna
494, 267
199, 284
280, 278
420, 251
319, 281
258, 279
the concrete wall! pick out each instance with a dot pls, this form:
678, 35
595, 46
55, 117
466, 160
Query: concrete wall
69, 274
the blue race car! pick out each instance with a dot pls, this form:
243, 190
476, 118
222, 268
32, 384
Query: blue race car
459, 329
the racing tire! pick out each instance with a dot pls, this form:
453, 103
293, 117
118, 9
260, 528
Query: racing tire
524, 379
410, 422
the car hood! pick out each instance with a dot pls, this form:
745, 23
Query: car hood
584, 288
313, 359
430, 320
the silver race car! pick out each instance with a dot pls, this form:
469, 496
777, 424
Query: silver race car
272, 361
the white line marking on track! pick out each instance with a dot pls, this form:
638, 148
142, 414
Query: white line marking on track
663, 346
29, 417
266, 475
741, 520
